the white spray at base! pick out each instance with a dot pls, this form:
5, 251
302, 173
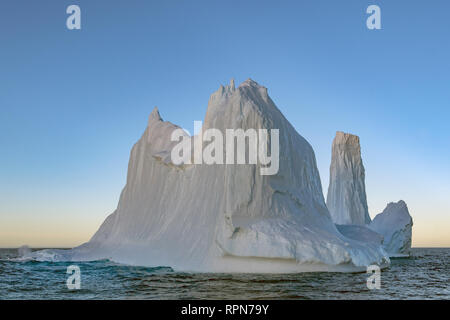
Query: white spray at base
227, 218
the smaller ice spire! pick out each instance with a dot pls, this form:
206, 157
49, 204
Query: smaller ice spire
232, 86
154, 115
250, 82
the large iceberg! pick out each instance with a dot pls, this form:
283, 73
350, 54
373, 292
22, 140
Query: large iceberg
227, 218
346, 198
395, 224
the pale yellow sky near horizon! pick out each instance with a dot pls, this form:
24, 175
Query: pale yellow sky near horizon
72, 230
434, 235
69, 216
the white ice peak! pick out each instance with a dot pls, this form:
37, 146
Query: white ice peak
154, 115
346, 198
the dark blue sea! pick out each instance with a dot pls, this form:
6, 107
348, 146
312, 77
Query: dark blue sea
426, 275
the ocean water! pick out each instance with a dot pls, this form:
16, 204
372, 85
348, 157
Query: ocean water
426, 275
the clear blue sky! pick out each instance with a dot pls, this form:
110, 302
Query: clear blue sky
72, 103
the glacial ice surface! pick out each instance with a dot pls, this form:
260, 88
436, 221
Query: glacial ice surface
227, 218
346, 198
395, 224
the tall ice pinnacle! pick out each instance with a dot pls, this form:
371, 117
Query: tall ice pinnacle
346, 199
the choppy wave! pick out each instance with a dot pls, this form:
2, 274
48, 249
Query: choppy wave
43, 276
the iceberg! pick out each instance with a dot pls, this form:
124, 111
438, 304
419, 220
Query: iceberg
227, 218
395, 224
347, 202
346, 198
